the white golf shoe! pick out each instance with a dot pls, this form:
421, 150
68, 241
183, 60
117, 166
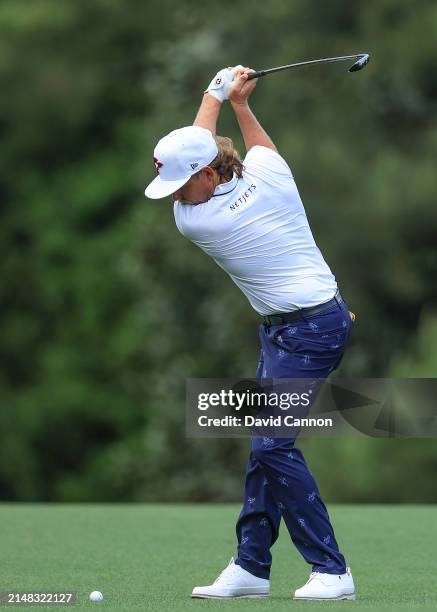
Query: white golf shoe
234, 581
327, 586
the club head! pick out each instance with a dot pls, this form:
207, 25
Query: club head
363, 61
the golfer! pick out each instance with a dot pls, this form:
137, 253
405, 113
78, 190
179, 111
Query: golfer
248, 216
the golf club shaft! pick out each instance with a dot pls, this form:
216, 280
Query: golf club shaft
325, 60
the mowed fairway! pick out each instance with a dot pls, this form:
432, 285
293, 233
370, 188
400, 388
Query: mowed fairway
148, 557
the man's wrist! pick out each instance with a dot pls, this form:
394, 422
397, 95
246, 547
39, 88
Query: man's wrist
240, 105
208, 96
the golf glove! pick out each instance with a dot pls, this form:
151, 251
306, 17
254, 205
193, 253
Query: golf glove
219, 86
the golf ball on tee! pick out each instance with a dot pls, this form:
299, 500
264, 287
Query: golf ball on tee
96, 596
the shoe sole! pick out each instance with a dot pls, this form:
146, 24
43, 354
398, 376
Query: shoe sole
352, 597
251, 596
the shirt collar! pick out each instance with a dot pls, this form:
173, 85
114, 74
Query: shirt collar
225, 188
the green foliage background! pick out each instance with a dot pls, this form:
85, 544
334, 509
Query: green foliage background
105, 309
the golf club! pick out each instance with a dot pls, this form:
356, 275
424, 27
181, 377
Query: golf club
361, 59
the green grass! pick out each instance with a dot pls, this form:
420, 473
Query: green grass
148, 557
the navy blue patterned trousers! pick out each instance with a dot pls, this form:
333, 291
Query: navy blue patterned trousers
278, 481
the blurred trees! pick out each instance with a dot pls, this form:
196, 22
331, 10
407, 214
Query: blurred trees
106, 309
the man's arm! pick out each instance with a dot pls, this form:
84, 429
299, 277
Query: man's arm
208, 113
252, 131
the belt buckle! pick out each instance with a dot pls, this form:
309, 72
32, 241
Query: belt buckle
269, 319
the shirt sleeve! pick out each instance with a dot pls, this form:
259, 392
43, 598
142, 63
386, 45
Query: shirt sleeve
268, 165
176, 211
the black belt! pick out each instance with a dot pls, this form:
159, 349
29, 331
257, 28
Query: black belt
288, 317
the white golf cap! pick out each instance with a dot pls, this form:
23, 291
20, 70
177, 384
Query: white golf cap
178, 156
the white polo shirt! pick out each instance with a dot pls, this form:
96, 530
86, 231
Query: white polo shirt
256, 229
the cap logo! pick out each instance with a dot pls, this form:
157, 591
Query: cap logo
158, 164
218, 81
194, 166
